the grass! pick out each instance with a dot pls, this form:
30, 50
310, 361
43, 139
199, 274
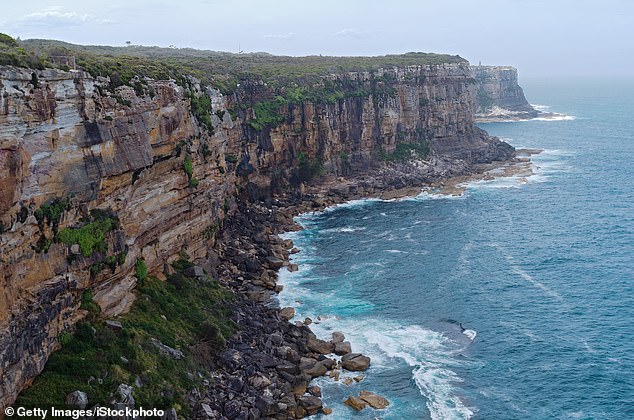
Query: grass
185, 313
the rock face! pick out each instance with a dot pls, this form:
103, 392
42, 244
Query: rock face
498, 95
68, 147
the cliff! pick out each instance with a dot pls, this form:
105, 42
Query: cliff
498, 94
95, 179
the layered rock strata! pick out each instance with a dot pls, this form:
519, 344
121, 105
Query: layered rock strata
498, 95
163, 183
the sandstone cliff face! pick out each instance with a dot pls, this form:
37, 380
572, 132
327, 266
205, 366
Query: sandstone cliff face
498, 94
66, 142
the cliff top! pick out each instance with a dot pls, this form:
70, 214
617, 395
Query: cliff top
222, 69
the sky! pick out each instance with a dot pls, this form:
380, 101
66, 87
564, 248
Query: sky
539, 37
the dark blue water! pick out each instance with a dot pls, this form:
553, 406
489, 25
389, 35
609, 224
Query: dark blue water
540, 270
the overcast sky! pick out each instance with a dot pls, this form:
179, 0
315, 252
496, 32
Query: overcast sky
540, 37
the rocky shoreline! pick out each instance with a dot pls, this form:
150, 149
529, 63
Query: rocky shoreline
267, 367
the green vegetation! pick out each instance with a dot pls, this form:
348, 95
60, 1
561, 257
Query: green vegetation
92, 236
188, 167
267, 114
201, 108
89, 305
13, 54
210, 231
407, 151
307, 169
140, 270
51, 213
184, 313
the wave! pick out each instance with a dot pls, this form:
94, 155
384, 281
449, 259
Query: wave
555, 117
431, 355
471, 334
541, 108
345, 229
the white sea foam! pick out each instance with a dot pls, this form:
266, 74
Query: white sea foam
555, 117
471, 334
346, 229
430, 354
541, 108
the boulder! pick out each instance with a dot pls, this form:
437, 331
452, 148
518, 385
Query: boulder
356, 403
292, 268
311, 404
266, 405
306, 363
318, 370
114, 325
287, 313
355, 362
374, 400
167, 350
125, 397
320, 346
338, 337
195, 271
326, 410
343, 348
315, 391
207, 411
274, 262
259, 381
77, 399
232, 409
329, 363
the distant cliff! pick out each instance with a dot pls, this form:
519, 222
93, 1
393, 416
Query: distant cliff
498, 94
94, 179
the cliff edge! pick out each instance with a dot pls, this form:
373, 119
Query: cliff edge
101, 178
498, 96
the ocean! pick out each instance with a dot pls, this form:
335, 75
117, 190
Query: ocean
513, 301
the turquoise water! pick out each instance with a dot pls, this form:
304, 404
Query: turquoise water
539, 271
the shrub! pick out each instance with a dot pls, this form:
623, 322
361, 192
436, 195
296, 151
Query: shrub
307, 168
140, 270
188, 167
92, 236
266, 114
51, 213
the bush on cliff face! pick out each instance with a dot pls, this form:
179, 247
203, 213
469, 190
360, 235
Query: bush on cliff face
267, 114
407, 151
184, 314
307, 169
90, 237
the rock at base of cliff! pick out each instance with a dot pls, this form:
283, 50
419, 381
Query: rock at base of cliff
287, 313
374, 400
311, 404
356, 403
355, 362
